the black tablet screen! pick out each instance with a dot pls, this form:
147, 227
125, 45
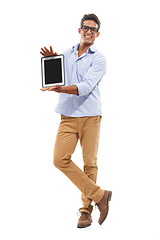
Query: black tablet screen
53, 71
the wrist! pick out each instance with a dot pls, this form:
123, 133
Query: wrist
62, 89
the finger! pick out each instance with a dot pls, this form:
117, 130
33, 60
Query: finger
46, 49
42, 53
51, 88
55, 53
44, 89
58, 86
55, 90
51, 50
43, 50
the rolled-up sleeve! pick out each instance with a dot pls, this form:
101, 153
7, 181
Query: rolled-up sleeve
91, 78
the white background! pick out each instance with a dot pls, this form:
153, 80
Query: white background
37, 201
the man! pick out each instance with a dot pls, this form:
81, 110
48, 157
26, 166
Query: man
80, 110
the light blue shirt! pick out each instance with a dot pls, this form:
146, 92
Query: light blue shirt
86, 73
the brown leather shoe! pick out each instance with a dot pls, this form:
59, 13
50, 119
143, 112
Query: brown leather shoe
103, 206
85, 220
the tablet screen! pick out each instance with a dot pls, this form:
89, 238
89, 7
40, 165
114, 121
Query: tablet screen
52, 70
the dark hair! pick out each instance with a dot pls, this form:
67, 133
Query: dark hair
91, 16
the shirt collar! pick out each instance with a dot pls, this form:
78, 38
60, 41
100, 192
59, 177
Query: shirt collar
92, 48
75, 48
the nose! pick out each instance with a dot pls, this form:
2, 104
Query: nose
89, 31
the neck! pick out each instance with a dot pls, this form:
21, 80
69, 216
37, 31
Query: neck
82, 48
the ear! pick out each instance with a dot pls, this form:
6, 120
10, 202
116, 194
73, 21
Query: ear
79, 30
97, 35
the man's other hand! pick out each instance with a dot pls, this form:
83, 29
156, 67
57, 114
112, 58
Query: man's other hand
44, 89
62, 89
46, 53
57, 88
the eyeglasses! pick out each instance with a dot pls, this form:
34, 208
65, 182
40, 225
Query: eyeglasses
86, 28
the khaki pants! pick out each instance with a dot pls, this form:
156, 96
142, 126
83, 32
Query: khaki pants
87, 130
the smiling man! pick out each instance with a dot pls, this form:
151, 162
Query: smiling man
80, 109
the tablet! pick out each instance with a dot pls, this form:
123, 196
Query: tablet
52, 70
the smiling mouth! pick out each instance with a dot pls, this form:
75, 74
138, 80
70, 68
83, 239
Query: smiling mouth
88, 37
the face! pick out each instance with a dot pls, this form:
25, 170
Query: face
88, 37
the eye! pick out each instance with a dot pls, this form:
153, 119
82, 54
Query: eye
94, 30
85, 28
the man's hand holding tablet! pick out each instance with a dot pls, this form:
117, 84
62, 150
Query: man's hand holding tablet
57, 88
